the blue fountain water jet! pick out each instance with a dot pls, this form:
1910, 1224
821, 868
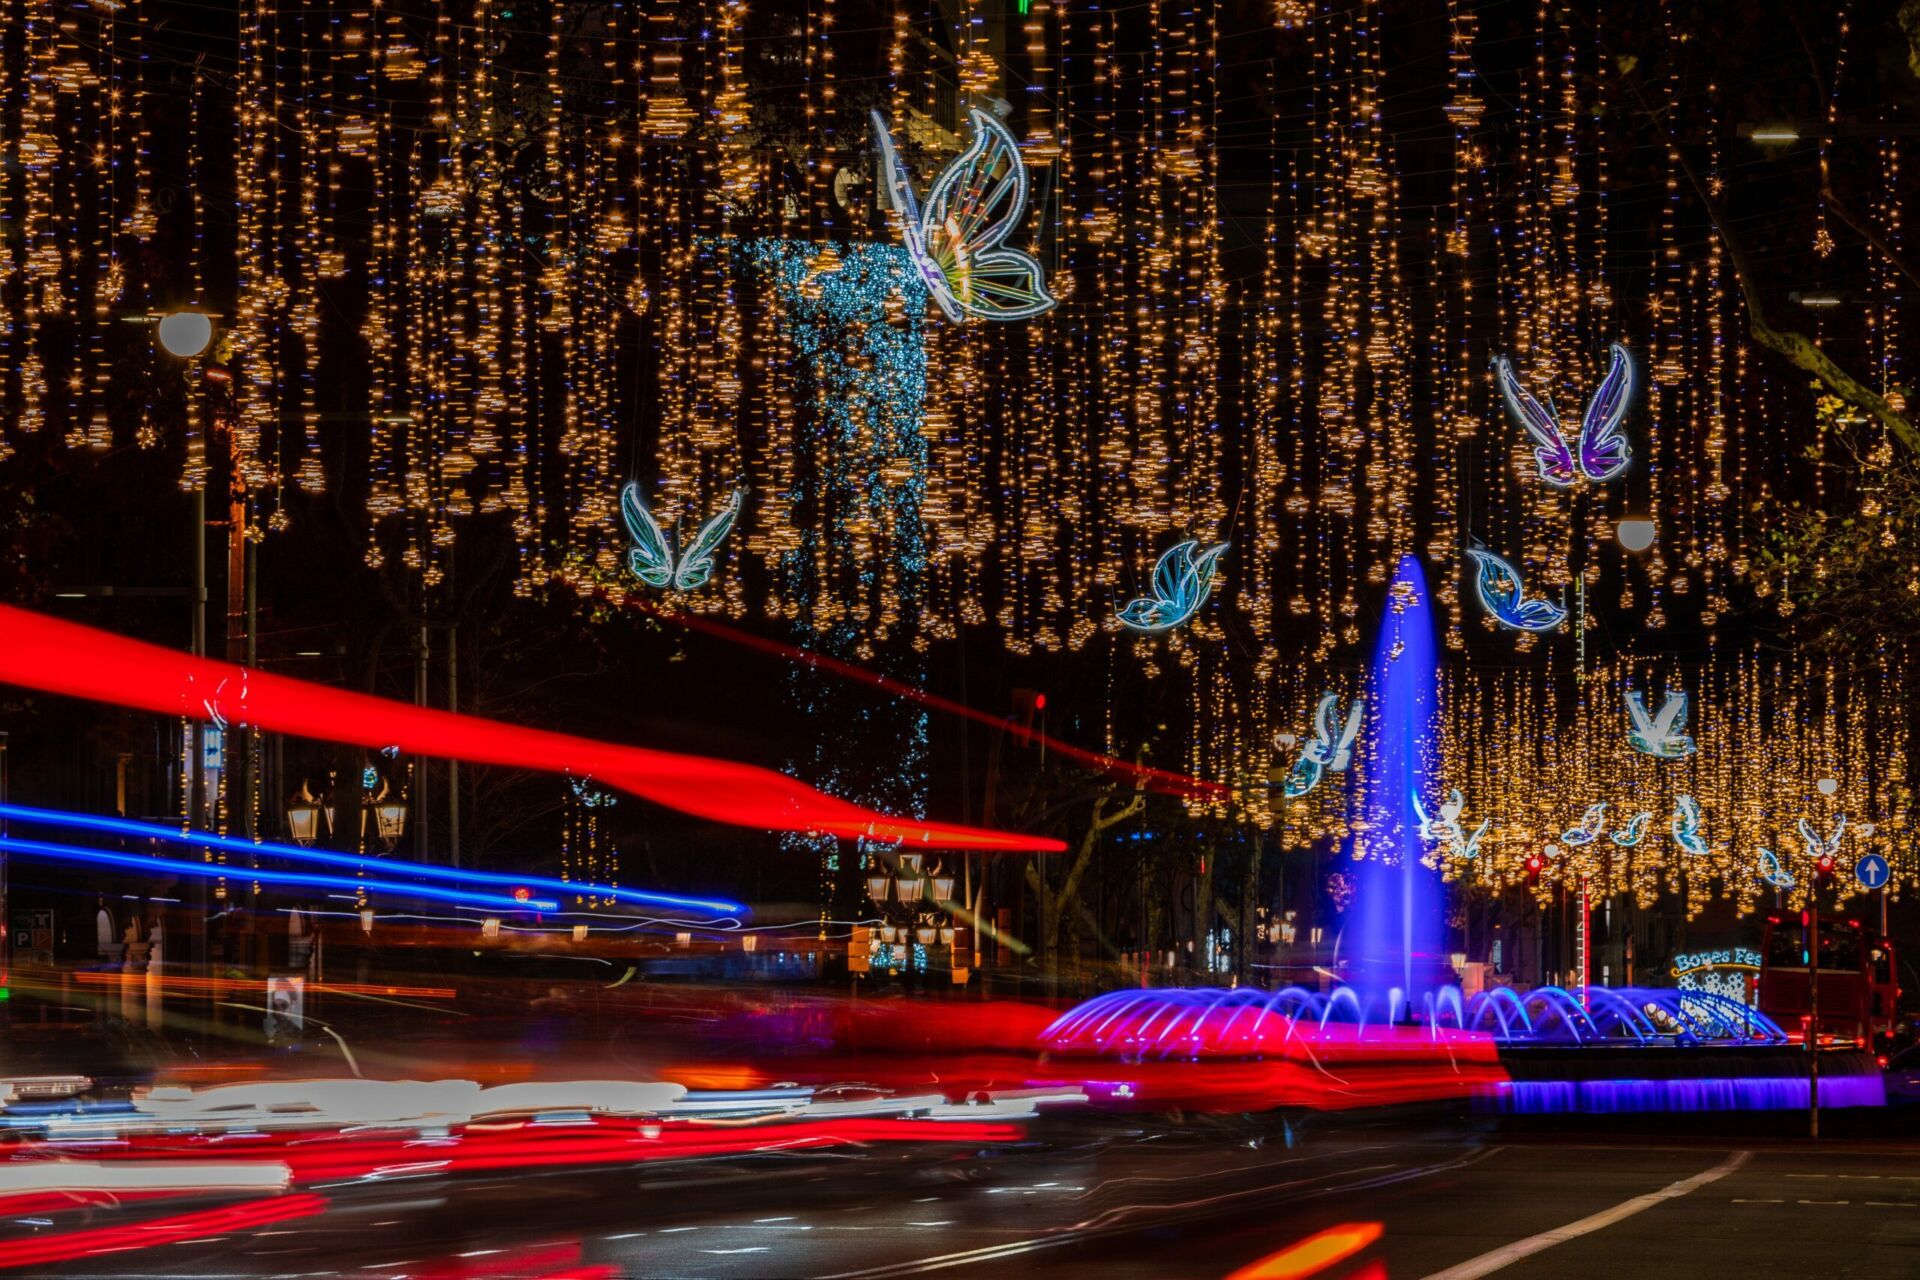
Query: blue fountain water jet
1398, 900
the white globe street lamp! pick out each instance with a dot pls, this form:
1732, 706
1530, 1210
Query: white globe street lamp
185, 334
1636, 533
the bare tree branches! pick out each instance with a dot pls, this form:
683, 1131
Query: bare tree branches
1868, 231
1799, 349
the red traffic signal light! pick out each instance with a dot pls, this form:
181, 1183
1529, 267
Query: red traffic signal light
1535, 864
1027, 703
1824, 864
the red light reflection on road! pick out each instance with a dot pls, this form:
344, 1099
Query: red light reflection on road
91, 1242
1313, 1255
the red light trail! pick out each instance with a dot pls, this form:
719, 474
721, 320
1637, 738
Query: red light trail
1164, 781
66, 658
92, 1242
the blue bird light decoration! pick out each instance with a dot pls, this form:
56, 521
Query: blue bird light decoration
1504, 597
1629, 836
1182, 581
1592, 826
1686, 827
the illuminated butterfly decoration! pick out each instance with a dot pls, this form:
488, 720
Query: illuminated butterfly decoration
1603, 453
1592, 826
1819, 847
958, 242
1629, 836
1659, 735
1447, 829
1686, 827
1773, 872
1182, 580
1331, 750
652, 559
1503, 596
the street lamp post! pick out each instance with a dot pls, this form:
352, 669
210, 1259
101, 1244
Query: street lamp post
303, 818
1813, 1007
186, 335
906, 888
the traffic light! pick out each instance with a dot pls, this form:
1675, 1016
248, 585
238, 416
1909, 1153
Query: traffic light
1823, 865
1027, 706
1535, 864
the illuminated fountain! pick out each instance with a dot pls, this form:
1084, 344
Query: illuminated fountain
1397, 942
1592, 1049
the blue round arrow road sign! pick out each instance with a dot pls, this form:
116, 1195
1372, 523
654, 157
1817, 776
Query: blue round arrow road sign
1871, 871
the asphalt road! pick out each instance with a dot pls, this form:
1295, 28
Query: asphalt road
1104, 1197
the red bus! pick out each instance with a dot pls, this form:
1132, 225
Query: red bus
1859, 991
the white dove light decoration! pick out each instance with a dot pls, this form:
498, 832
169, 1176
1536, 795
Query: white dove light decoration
958, 243
1447, 829
1182, 580
1328, 752
652, 559
1818, 846
1602, 454
1659, 736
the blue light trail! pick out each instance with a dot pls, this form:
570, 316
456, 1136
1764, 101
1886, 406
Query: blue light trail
150, 864
234, 844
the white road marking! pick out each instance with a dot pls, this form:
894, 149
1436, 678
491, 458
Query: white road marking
1744, 1200
1114, 1221
1891, 1204
1508, 1254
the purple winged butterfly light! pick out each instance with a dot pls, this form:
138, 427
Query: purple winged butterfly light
1602, 452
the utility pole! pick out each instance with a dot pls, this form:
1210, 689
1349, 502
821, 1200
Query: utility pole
1813, 1008
422, 824
6, 920
251, 801
196, 779
453, 766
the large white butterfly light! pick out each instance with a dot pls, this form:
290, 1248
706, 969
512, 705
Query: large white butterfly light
652, 559
958, 243
1659, 735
